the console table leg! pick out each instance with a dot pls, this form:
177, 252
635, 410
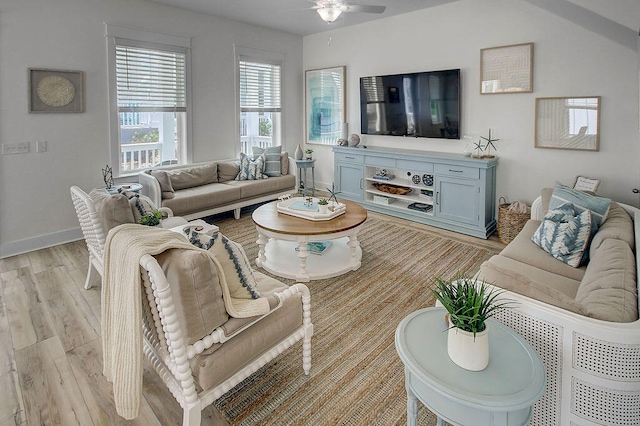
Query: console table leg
262, 242
303, 253
412, 402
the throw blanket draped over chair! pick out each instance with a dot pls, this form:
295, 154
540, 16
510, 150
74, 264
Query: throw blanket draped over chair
122, 307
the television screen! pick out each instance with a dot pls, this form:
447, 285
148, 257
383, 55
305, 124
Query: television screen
423, 104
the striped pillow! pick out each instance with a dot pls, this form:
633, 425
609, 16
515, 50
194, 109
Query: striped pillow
272, 163
582, 201
567, 238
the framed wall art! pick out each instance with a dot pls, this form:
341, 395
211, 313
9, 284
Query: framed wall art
506, 69
325, 105
568, 123
55, 91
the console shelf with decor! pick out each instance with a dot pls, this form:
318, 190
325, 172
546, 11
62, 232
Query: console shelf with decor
446, 190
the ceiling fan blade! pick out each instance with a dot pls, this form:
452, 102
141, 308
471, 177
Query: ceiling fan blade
366, 9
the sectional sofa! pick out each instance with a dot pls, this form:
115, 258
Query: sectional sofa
203, 189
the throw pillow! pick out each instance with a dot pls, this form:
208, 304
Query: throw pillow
272, 166
141, 205
235, 264
112, 210
582, 201
565, 240
165, 183
251, 170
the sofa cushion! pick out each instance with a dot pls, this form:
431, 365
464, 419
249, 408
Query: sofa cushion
563, 236
188, 177
228, 170
163, 179
251, 170
112, 210
598, 206
254, 188
608, 290
201, 198
284, 163
196, 291
213, 366
524, 250
618, 225
532, 282
272, 164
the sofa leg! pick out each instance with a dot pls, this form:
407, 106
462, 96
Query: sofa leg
192, 415
236, 213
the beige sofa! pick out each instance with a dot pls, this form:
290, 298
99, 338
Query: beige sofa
203, 189
583, 322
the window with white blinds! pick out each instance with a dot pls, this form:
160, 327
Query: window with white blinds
259, 86
150, 79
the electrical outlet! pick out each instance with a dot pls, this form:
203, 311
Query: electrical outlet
41, 146
15, 148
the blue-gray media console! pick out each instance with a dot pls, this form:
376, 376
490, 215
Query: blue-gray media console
449, 191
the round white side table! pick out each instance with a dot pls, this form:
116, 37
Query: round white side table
502, 394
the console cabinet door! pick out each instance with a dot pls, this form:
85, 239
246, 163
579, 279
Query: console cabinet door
457, 200
349, 180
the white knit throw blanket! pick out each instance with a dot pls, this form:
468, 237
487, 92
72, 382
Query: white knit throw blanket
122, 306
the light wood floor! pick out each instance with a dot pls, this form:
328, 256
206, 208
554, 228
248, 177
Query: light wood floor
50, 348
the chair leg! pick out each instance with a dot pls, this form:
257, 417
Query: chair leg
192, 416
306, 349
87, 283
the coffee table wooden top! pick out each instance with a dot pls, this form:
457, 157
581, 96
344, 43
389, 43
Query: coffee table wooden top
267, 217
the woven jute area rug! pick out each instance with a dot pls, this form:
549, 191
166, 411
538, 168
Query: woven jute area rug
356, 376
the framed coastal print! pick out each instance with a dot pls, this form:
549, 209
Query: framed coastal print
55, 91
325, 105
506, 69
568, 123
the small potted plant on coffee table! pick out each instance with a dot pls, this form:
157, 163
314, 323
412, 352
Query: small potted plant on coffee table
323, 205
469, 303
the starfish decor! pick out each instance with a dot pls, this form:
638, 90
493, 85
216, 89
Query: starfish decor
478, 148
333, 193
490, 144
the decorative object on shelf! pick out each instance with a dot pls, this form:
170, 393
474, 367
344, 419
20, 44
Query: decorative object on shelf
55, 91
323, 205
383, 174
308, 154
489, 145
298, 154
554, 130
468, 146
416, 179
470, 303
343, 142
506, 69
427, 179
421, 207
325, 104
354, 140
478, 148
107, 176
391, 189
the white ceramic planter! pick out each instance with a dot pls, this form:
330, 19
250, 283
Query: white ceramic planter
324, 208
466, 351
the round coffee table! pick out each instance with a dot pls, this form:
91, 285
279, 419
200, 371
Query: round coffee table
283, 239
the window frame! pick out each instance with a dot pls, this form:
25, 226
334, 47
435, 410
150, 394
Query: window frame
248, 54
116, 35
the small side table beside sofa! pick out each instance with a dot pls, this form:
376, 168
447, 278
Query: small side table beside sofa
304, 165
501, 394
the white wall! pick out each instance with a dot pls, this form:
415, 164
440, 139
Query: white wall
568, 61
35, 205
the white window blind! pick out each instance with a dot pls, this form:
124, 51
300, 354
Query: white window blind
259, 87
150, 79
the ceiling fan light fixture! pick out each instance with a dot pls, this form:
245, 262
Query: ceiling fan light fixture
329, 14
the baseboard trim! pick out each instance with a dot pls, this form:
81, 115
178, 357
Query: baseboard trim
36, 243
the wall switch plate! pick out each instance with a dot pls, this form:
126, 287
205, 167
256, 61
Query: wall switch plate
15, 148
41, 146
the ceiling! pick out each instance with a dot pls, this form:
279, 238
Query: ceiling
296, 17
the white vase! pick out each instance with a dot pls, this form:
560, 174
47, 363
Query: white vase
324, 208
466, 351
298, 154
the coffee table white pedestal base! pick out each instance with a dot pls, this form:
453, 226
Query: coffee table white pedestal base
280, 257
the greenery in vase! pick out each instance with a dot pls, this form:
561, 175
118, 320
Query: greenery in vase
323, 202
469, 302
151, 219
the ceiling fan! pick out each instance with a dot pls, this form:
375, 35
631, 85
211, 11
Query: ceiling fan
330, 10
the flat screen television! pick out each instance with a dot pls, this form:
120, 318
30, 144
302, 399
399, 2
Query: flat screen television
421, 104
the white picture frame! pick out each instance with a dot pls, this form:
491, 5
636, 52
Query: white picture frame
506, 69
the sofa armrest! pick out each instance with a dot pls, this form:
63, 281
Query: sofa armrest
151, 188
293, 168
536, 209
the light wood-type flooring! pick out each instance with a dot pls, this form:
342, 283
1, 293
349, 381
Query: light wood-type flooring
50, 347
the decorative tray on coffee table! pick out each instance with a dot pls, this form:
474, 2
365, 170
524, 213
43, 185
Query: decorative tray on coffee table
298, 207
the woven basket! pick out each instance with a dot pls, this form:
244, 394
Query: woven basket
510, 223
